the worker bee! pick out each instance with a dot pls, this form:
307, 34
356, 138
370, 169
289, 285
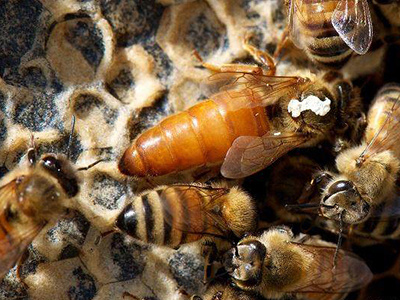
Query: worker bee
254, 119
277, 264
330, 31
30, 197
183, 213
367, 174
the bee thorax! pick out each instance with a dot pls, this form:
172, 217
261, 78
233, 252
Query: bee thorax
313, 103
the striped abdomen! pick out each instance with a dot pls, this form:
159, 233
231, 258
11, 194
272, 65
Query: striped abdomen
197, 137
386, 103
319, 37
167, 216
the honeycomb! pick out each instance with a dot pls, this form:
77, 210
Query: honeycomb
118, 67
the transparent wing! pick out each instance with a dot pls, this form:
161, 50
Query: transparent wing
350, 273
388, 136
251, 90
13, 242
11, 251
352, 21
250, 154
197, 211
294, 22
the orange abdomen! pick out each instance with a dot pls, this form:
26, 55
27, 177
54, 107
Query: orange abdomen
196, 137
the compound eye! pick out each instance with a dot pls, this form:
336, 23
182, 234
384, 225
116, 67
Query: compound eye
52, 163
340, 186
31, 156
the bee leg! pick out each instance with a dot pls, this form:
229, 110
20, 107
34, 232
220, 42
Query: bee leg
282, 44
260, 56
210, 252
20, 262
230, 68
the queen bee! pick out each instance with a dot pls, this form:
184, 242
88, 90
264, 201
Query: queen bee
254, 119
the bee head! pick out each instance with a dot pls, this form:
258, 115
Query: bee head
342, 201
244, 263
61, 169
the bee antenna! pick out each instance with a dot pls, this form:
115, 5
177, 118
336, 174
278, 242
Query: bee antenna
91, 165
301, 206
70, 136
339, 243
31, 153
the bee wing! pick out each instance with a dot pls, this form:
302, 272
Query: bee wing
387, 137
196, 213
350, 273
352, 21
294, 22
12, 246
250, 154
251, 90
11, 251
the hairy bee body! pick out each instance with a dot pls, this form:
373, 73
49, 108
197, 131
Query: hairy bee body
178, 214
31, 196
320, 40
199, 136
368, 173
276, 264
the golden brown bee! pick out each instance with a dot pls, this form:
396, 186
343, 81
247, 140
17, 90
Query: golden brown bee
367, 174
178, 214
330, 31
30, 197
276, 264
254, 119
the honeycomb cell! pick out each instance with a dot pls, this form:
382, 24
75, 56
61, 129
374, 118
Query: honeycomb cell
36, 113
121, 84
127, 255
206, 34
188, 271
132, 21
85, 287
33, 259
75, 49
86, 103
19, 23
107, 192
12, 288
71, 230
